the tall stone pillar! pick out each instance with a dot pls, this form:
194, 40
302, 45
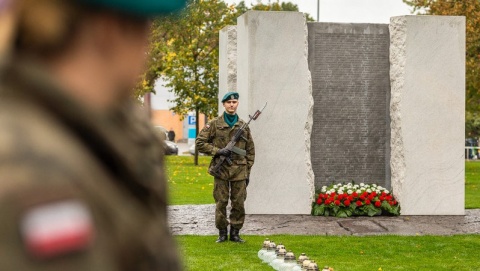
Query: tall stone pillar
273, 67
427, 57
227, 77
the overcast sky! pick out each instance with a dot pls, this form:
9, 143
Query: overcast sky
348, 11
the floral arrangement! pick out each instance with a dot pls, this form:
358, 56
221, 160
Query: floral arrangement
345, 200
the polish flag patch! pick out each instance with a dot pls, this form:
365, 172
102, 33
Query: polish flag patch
58, 228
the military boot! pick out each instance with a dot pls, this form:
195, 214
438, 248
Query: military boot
222, 236
235, 236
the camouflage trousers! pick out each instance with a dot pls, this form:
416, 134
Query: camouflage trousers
236, 191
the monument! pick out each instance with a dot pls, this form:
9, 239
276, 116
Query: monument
427, 57
273, 67
367, 103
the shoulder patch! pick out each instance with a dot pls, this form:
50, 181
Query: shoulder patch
57, 228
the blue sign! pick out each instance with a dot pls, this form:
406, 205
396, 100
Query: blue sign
192, 133
192, 120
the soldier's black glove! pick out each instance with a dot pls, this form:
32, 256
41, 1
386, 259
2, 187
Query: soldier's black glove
223, 152
247, 181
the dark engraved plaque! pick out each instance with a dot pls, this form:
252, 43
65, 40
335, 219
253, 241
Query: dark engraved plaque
350, 68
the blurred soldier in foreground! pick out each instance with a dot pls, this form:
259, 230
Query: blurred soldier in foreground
82, 178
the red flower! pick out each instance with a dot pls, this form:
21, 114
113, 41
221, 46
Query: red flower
391, 203
382, 198
320, 196
371, 196
337, 202
319, 201
362, 197
365, 194
395, 202
378, 203
347, 203
374, 193
354, 194
383, 193
367, 202
350, 198
332, 194
389, 197
359, 203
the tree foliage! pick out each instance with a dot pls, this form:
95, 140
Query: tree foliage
471, 10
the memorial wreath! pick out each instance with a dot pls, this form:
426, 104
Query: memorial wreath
345, 200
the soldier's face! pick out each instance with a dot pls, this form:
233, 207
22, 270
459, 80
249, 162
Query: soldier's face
231, 106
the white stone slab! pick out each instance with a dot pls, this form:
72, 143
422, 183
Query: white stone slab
227, 76
427, 58
273, 67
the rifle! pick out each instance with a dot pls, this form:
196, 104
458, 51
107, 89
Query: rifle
231, 145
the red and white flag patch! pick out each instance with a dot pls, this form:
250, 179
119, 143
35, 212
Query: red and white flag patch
58, 228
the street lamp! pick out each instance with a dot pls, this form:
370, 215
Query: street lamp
318, 10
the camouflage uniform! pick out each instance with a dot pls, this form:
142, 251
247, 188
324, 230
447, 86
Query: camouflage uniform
232, 178
103, 169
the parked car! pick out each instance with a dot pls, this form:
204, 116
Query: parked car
191, 150
170, 147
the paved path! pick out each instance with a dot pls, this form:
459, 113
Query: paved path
199, 220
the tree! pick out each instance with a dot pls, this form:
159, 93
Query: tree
275, 6
471, 10
184, 51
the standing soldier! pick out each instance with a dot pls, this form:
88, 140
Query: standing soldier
82, 173
232, 179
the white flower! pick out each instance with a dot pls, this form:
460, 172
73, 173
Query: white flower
386, 191
340, 192
374, 185
335, 186
339, 184
378, 191
355, 186
328, 193
359, 191
380, 188
369, 190
349, 192
332, 190
362, 184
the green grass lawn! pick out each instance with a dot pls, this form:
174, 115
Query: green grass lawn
191, 184
459, 253
472, 185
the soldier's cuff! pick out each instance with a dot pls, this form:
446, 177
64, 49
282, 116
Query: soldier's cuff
215, 150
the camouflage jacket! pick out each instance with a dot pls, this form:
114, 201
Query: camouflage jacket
215, 135
80, 189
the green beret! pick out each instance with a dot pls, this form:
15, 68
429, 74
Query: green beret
140, 8
230, 96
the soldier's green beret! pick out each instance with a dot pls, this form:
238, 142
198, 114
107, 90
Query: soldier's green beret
139, 8
230, 96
